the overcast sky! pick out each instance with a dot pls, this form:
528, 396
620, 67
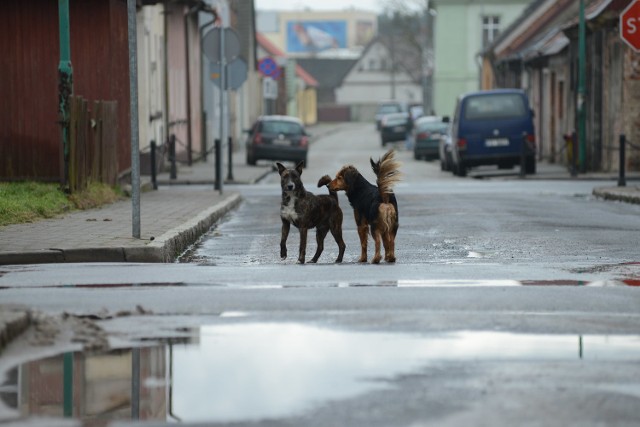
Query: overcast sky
372, 5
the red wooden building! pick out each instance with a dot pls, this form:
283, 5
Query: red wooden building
30, 133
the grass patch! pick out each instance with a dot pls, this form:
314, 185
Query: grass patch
22, 202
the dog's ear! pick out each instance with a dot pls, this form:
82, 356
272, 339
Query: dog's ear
281, 168
375, 165
299, 167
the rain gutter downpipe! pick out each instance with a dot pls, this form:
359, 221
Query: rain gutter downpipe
65, 87
582, 125
204, 67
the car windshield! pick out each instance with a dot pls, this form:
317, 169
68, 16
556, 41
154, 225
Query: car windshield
506, 106
395, 119
288, 128
432, 127
389, 108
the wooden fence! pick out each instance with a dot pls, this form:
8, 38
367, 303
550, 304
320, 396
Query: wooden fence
92, 143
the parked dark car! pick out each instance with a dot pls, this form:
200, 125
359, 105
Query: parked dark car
426, 134
394, 127
493, 127
387, 107
281, 138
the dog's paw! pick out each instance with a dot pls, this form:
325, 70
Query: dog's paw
301, 261
376, 260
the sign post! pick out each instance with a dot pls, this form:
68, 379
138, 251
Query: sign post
630, 25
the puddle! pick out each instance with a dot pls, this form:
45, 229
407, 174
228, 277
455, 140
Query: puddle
251, 371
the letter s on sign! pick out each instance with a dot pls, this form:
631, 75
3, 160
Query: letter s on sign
631, 25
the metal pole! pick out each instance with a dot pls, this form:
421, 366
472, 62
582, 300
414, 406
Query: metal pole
582, 113
172, 156
67, 384
218, 162
65, 87
154, 175
622, 182
230, 159
223, 72
135, 384
523, 156
135, 146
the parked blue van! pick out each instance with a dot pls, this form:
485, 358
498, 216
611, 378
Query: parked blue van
493, 127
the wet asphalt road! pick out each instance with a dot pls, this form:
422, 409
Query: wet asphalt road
509, 305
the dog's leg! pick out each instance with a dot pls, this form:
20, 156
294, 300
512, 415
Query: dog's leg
321, 233
363, 233
336, 231
389, 247
376, 238
286, 225
303, 245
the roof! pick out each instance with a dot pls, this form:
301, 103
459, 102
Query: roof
328, 72
274, 50
404, 56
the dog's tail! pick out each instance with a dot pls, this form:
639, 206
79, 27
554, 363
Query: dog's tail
325, 180
387, 170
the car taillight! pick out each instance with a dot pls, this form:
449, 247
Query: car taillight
531, 140
304, 141
257, 139
461, 144
423, 135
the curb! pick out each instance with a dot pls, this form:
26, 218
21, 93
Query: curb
621, 194
174, 242
165, 248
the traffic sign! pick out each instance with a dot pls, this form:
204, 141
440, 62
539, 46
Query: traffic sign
211, 44
269, 68
269, 88
236, 73
630, 25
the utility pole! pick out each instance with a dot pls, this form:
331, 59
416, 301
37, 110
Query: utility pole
427, 60
582, 110
133, 93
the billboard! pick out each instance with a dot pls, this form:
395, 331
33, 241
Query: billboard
315, 36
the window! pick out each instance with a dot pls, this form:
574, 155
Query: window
494, 106
490, 29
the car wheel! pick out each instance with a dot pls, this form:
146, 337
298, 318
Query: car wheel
415, 156
250, 159
443, 167
459, 169
384, 142
530, 165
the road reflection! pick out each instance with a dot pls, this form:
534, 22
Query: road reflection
250, 371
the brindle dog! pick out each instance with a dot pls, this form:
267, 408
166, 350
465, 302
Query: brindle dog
306, 210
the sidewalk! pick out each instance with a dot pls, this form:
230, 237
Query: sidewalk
171, 218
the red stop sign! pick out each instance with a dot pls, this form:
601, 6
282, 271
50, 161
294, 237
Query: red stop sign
630, 25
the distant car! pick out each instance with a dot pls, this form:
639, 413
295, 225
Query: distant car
394, 127
387, 107
426, 134
281, 138
444, 148
493, 127
416, 111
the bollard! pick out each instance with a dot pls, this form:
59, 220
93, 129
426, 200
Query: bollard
523, 156
172, 156
218, 161
204, 136
622, 182
154, 177
230, 160
574, 154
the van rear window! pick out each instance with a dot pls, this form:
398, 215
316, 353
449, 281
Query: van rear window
494, 106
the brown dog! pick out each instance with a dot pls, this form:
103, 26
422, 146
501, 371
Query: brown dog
374, 208
306, 210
